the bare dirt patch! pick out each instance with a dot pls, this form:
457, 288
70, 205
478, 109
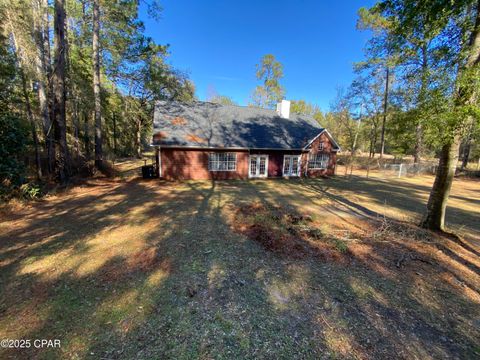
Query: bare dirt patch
287, 232
142, 262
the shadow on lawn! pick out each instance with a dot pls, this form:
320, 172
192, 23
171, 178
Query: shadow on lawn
416, 317
406, 197
194, 289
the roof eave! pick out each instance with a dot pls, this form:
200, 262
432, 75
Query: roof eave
222, 148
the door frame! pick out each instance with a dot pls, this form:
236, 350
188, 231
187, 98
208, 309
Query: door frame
258, 166
298, 165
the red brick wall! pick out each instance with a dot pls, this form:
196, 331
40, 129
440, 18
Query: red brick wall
182, 164
275, 160
315, 148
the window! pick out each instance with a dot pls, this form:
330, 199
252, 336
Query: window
222, 161
318, 161
320, 146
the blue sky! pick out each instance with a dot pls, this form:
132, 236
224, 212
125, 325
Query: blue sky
218, 44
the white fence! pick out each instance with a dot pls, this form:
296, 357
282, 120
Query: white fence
402, 170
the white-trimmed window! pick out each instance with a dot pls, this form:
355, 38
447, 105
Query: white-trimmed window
222, 161
318, 161
320, 146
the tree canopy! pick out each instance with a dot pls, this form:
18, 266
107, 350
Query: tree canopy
269, 71
85, 76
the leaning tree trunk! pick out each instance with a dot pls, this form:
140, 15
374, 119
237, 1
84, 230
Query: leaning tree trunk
58, 78
437, 202
435, 216
96, 84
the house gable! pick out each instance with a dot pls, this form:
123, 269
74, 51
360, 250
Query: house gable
321, 144
323, 136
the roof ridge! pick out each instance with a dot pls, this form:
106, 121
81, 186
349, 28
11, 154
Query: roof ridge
219, 104
236, 105
273, 111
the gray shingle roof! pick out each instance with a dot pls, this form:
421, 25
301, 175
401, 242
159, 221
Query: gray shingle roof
206, 124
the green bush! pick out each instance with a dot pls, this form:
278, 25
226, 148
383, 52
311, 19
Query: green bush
14, 137
13, 145
30, 191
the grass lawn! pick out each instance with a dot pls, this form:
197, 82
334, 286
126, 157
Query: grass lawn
147, 269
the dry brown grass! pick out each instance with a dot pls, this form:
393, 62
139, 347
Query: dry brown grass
331, 267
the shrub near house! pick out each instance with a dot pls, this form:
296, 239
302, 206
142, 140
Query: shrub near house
202, 140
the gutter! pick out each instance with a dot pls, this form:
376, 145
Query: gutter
221, 148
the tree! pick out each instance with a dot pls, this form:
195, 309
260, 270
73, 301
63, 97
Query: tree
464, 112
59, 112
214, 97
302, 107
112, 85
23, 54
13, 130
416, 53
269, 71
347, 127
471, 134
43, 71
438, 46
380, 55
96, 84
222, 99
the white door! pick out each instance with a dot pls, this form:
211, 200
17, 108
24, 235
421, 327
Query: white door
258, 166
291, 165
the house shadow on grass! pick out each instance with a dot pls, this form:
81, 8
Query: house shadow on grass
148, 270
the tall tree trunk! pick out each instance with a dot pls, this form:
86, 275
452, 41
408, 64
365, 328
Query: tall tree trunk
47, 63
435, 216
96, 84
40, 63
31, 120
28, 105
76, 134
58, 78
422, 97
385, 109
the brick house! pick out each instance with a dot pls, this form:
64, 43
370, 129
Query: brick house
202, 140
